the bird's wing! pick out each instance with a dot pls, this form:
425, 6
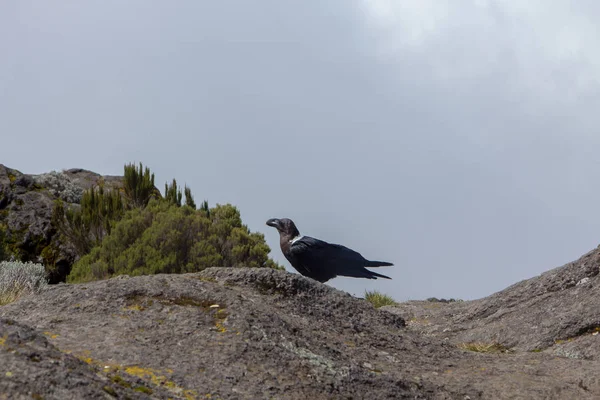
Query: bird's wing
323, 260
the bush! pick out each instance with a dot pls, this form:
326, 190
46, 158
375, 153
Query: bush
18, 279
60, 185
3, 250
138, 185
167, 238
86, 225
379, 299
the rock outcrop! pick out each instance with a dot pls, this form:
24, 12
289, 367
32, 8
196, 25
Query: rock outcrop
557, 313
263, 334
26, 204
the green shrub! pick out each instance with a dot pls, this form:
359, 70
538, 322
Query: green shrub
3, 250
189, 199
85, 226
167, 238
138, 185
18, 279
378, 299
172, 193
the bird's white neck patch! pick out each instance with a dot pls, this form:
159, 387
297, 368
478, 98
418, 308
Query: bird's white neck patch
294, 240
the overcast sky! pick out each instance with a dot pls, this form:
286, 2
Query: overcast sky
457, 139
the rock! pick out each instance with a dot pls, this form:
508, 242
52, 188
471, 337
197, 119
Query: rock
31, 367
279, 335
26, 204
556, 312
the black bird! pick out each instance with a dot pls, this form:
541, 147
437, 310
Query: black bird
320, 260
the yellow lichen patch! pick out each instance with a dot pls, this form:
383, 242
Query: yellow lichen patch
3, 339
561, 341
154, 376
203, 278
87, 360
120, 381
222, 313
143, 389
137, 303
134, 307
103, 366
51, 335
220, 327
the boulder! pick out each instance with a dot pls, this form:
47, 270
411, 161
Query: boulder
242, 333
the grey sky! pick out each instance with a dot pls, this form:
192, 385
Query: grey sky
456, 139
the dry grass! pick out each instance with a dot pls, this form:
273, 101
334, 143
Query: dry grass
480, 347
18, 279
379, 299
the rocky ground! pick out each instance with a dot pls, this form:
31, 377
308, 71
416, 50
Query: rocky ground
266, 334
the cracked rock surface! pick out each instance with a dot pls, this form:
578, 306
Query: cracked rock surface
247, 333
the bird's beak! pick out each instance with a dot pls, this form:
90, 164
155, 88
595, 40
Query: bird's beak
274, 222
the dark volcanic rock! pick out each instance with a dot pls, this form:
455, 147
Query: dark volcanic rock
263, 334
33, 368
26, 204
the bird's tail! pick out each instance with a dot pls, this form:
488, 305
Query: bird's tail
378, 264
362, 273
372, 275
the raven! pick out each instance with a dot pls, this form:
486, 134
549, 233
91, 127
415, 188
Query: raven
320, 260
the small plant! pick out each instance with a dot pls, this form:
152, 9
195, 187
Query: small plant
379, 299
480, 347
18, 279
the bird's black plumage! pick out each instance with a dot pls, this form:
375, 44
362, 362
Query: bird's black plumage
320, 260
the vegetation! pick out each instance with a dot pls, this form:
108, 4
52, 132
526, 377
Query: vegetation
379, 299
86, 226
18, 279
189, 199
173, 194
132, 229
138, 185
166, 238
3, 250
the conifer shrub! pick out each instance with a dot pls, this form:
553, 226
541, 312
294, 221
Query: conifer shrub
138, 185
85, 225
189, 199
164, 237
18, 279
173, 194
